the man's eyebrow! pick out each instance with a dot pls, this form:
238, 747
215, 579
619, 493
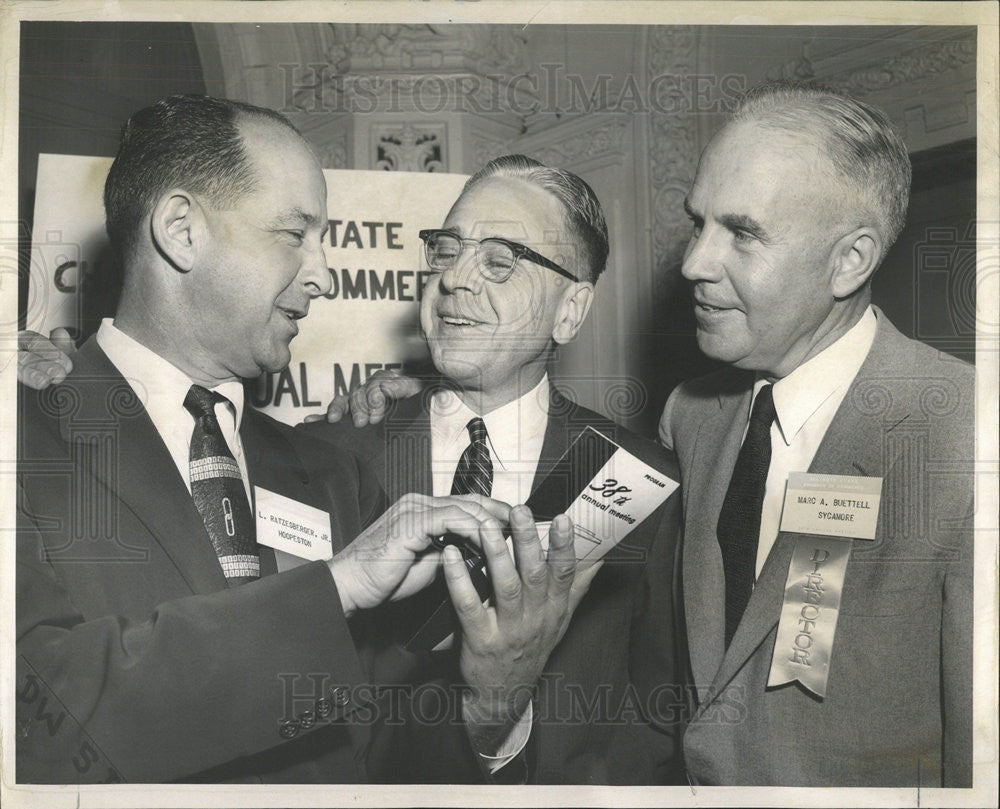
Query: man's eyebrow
739, 221
299, 217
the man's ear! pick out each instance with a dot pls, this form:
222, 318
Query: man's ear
176, 223
573, 311
855, 257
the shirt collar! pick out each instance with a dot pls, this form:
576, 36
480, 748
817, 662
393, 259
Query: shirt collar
800, 394
160, 385
511, 427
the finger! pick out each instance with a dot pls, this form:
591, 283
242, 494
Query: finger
62, 340
336, 410
561, 559
530, 559
31, 374
401, 387
55, 372
472, 615
434, 522
359, 406
375, 402
477, 504
507, 587
28, 339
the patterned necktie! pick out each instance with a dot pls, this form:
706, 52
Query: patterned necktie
218, 491
739, 520
474, 473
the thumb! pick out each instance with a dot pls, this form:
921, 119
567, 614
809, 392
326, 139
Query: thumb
62, 340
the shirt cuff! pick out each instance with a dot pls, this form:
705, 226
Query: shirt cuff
511, 746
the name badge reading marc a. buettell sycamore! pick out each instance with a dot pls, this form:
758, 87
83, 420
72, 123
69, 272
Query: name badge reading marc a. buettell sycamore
840, 508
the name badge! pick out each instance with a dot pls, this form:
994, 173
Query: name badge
831, 505
293, 527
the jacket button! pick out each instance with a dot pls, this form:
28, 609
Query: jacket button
340, 697
289, 729
324, 707
307, 719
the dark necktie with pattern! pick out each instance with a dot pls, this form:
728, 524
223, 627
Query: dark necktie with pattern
218, 491
739, 520
474, 473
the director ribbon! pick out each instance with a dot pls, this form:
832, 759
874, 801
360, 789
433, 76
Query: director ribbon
809, 613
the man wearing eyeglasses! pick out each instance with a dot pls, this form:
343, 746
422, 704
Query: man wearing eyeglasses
514, 271
515, 265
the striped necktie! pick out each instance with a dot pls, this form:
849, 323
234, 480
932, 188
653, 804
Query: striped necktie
474, 473
218, 491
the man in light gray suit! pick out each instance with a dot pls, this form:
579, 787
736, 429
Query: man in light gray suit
795, 203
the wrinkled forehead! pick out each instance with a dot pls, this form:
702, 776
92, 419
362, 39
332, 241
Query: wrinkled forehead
747, 166
509, 208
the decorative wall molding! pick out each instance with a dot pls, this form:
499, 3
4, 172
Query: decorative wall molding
600, 139
409, 147
333, 155
924, 61
476, 48
673, 152
568, 145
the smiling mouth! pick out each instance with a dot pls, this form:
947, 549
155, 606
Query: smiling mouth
709, 308
460, 321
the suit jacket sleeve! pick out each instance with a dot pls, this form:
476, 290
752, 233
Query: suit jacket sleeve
200, 681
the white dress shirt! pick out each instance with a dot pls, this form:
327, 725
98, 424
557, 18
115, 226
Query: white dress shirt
805, 402
515, 433
162, 387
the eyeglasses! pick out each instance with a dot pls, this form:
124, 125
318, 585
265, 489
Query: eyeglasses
495, 257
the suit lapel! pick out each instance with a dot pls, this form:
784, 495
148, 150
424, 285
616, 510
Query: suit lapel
704, 587
853, 445
556, 439
408, 450
273, 464
145, 478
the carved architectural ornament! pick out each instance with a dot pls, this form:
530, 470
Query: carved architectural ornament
476, 48
673, 151
409, 147
922, 62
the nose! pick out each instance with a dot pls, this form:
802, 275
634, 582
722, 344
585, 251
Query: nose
464, 273
314, 274
702, 261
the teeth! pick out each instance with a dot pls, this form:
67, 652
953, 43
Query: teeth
458, 321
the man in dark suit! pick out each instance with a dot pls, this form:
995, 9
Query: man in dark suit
492, 314
795, 203
157, 639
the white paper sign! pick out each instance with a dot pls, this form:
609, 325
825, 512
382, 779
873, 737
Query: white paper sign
368, 320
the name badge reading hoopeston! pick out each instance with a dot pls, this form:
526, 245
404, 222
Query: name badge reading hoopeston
293, 527
844, 508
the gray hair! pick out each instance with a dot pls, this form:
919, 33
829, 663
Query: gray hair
867, 154
583, 212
